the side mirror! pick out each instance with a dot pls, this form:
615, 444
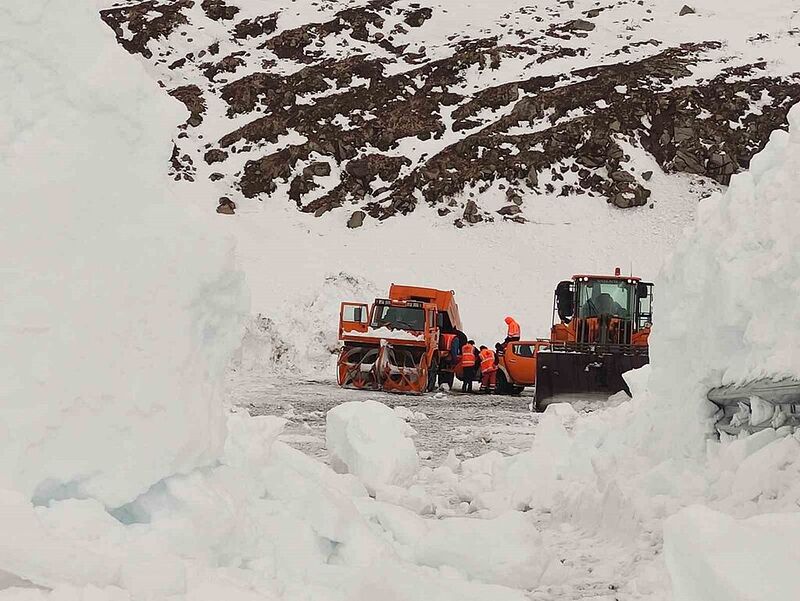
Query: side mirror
564, 301
642, 290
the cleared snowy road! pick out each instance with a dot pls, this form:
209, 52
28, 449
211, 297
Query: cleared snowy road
469, 424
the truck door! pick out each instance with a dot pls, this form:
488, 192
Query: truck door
520, 361
353, 317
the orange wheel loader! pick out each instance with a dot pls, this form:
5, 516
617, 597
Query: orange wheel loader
600, 330
403, 343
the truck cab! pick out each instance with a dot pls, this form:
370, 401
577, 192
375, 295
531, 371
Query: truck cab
398, 343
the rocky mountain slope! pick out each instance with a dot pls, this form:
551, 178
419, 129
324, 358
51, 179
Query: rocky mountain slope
376, 106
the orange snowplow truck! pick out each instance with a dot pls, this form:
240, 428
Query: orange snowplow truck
404, 343
601, 326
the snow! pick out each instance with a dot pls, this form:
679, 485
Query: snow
369, 440
387, 334
722, 291
714, 557
120, 307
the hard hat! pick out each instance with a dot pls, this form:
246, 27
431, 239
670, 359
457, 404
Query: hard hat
509, 319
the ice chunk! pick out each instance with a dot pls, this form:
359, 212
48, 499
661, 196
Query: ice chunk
369, 440
760, 411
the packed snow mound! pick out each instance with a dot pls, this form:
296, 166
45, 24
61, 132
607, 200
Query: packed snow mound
265, 522
120, 310
503, 550
369, 440
299, 337
729, 292
714, 557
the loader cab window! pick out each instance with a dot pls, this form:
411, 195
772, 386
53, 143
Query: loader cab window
644, 313
399, 318
605, 297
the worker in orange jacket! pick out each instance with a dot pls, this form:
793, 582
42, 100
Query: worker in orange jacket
468, 364
488, 370
513, 330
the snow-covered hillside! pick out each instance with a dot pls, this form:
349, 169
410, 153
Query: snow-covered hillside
476, 109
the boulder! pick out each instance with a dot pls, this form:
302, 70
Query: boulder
356, 219
226, 206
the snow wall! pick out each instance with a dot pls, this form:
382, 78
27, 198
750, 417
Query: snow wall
728, 299
120, 309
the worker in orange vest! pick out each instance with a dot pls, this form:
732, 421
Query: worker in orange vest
468, 363
488, 370
513, 330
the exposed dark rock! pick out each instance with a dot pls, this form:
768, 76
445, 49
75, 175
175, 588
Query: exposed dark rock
417, 17
686, 10
229, 64
192, 97
253, 28
181, 166
215, 155
510, 210
219, 10
226, 206
317, 169
471, 213
149, 20
216, 176
579, 25
646, 175
356, 219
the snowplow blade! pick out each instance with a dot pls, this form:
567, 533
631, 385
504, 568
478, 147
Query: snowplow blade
387, 367
575, 373
757, 405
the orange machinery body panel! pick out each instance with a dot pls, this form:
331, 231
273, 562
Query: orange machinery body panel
444, 300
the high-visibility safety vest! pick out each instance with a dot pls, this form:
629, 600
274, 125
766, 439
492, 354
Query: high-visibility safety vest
513, 328
487, 359
467, 355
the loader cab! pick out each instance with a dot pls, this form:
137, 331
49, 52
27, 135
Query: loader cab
602, 309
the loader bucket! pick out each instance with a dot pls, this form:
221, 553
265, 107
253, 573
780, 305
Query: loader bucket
582, 373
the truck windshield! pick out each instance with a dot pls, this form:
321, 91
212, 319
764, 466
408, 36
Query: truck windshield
605, 297
399, 318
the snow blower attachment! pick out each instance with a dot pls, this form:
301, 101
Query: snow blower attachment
400, 344
600, 330
757, 405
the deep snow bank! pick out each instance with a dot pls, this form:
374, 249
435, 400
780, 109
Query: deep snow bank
119, 309
729, 294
